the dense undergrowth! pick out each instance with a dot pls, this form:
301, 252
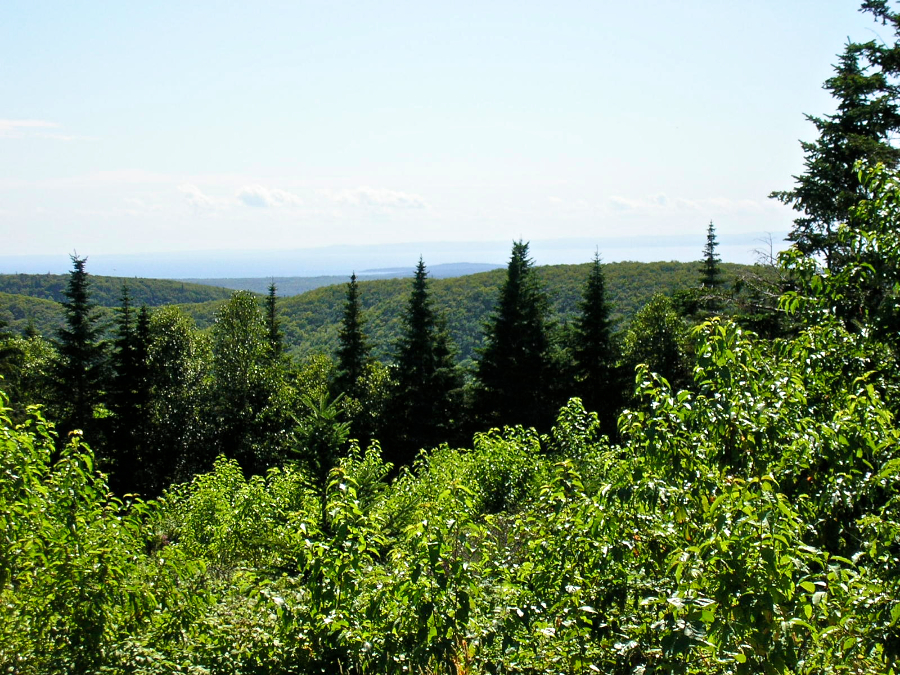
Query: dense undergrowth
749, 525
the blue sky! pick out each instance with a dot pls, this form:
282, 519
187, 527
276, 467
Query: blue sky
132, 128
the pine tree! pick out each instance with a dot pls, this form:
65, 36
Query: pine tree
423, 407
353, 349
594, 350
276, 337
512, 369
862, 129
81, 367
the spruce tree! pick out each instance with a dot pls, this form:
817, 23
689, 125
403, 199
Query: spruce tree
862, 129
129, 391
353, 348
709, 298
81, 365
512, 368
273, 324
594, 350
711, 270
423, 407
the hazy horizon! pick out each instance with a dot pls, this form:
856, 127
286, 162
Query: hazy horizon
344, 259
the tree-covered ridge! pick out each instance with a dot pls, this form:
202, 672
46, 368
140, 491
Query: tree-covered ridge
107, 291
310, 320
22, 311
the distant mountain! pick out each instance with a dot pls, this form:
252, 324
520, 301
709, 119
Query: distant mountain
285, 286
341, 260
443, 271
288, 286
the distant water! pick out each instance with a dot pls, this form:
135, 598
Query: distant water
342, 260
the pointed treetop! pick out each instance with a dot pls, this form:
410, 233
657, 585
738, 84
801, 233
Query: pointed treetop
711, 272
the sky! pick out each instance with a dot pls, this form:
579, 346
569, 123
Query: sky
131, 129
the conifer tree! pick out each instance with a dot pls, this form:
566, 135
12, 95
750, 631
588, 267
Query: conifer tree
862, 129
129, 391
273, 324
594, 350
711, 271
81, 366
353, 349
512, 369
423, 406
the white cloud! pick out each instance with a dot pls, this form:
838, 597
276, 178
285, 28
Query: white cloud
624, 204
380, 198
263, 197
198, 199
13, 128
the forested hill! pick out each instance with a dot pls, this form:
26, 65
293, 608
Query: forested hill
107, 291
310, 321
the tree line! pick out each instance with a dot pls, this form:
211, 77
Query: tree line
159, 399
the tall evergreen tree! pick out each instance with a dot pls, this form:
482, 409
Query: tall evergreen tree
273, 324
862, 129
594, 350
424, 404
711, 270
128, 393
353, 348
512, 369
81, 367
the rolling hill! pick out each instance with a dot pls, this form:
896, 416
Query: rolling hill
310, 320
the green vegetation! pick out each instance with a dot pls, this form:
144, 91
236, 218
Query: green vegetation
106, 291
515, 360
310, 321
425, 407
862, 129
751, 526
